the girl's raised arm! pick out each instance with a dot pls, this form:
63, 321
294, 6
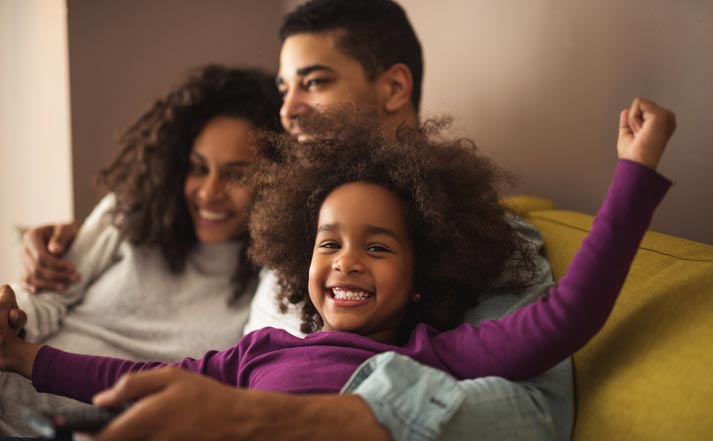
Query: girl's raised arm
535, 338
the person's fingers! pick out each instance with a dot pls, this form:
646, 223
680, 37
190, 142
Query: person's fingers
38, 285
62, 236
26, 280
139, 419
7, 298
33, 260
7, 295
27, 286
635, 116
45, 274
650, 111
625, 130
28, 260
138, 422
18, 317
52, 276
35, 245
34, 240
135, 385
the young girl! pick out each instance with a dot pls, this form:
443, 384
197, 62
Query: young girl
163, 256
378, 238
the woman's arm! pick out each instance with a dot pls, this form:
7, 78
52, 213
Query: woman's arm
93, 251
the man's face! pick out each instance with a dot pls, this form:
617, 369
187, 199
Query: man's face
314, 74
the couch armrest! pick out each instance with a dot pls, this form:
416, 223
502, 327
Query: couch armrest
647, 375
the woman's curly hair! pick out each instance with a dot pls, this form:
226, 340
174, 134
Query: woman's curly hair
148, 174
457, 226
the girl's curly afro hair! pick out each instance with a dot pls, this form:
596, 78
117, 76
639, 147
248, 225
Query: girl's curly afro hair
458, 228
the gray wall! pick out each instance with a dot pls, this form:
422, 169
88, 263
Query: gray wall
538, 84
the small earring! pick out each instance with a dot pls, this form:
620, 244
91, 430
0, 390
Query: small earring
416, 297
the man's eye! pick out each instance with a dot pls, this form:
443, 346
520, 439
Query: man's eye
314, 82
282, 92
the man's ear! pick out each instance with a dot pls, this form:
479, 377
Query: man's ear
396, 84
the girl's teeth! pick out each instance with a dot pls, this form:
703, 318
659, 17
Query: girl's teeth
349, 295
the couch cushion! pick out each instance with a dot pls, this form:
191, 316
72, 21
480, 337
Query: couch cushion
648, 374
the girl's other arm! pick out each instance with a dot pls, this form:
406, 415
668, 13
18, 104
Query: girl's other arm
535, 338
16, 355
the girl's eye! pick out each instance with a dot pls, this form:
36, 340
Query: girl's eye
377, 249
330, 245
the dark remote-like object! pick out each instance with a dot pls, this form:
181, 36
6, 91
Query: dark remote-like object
57, 425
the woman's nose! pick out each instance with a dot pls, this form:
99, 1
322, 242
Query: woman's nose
212, 188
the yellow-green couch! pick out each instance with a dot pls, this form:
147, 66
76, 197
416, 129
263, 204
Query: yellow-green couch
648, 374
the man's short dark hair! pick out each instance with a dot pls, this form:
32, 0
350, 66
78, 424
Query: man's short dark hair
376, 33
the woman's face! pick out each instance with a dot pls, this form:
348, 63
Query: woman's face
216, 195
361, 274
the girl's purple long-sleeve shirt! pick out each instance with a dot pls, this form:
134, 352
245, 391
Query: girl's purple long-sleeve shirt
518, 346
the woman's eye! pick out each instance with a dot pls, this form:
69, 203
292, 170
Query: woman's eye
235, 177
195, 169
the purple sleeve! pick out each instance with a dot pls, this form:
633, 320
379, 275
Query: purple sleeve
82, 376
535, 338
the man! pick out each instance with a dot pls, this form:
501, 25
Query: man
363, 52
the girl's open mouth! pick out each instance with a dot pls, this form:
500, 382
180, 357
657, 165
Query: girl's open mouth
348, 295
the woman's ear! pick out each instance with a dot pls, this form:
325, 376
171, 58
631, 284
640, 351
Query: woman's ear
396, 84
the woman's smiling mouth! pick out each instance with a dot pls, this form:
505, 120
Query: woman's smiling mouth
212, 216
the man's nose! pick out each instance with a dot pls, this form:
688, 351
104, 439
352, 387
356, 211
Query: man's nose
293, 105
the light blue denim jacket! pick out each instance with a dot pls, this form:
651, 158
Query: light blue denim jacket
416, 402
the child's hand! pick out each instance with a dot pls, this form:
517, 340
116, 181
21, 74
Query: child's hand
16, 355
644, 130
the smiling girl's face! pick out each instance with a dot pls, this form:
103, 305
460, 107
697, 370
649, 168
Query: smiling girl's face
215, 193
361, 274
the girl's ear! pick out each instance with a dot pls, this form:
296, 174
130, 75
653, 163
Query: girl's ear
395, 86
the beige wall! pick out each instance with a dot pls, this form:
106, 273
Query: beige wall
35, 165
125, 53
539, 85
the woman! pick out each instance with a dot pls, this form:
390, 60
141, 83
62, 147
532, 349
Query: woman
162, 257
